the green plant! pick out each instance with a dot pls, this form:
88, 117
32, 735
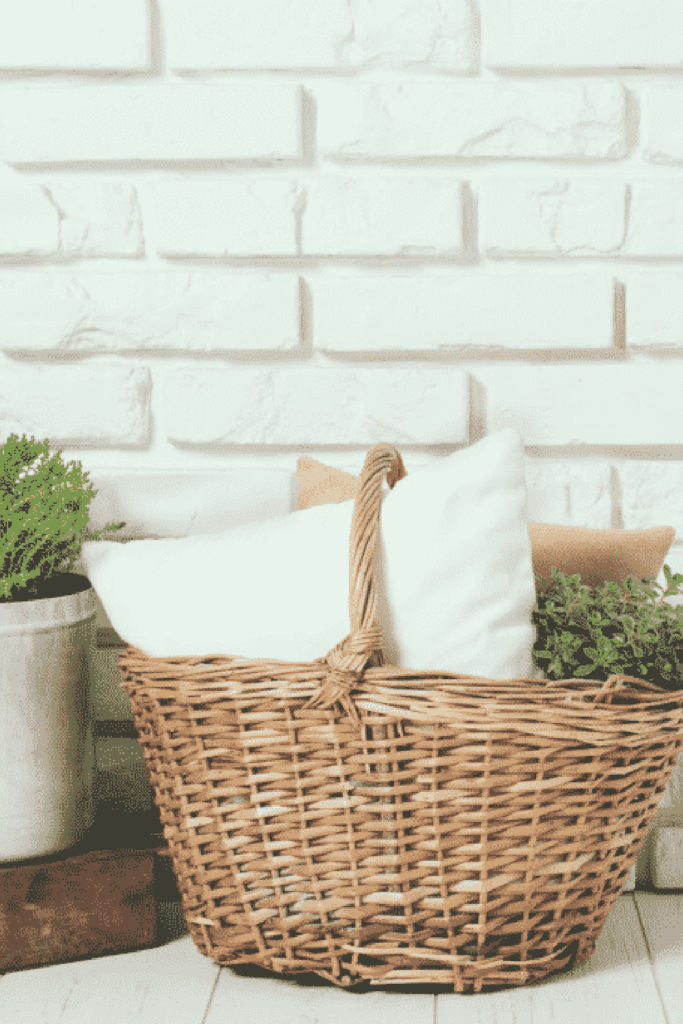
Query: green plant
627, 629
43, 515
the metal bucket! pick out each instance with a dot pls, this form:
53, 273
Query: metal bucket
47, 757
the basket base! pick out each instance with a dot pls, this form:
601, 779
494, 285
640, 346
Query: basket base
360, 971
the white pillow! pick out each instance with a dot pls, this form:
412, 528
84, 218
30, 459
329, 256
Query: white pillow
454, 573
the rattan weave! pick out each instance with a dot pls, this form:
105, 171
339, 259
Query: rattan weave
368, 822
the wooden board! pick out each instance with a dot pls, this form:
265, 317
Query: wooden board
260, 999
174, 984
617, 984
68, 906
100, 896
661, 916
169, 984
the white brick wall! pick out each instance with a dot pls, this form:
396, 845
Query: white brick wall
662, 105
69, 123
72, 35
309, 34
558, 120
551, 218
92, 403
242, 217
269, 35
655, 309
198, 310
428, 313
88, 219
296, 406
571, 34
230, 232
655, 226
347, 216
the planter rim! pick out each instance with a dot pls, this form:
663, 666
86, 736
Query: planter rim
45, 613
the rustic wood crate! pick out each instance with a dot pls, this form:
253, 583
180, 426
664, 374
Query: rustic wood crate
96, 898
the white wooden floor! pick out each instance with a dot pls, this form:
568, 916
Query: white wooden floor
634, 977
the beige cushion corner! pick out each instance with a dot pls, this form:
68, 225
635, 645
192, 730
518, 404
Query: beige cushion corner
598, 556
318, 484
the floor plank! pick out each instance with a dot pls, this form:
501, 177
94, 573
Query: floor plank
174, 984
260, 1000
616, 986
171, 984
662, 919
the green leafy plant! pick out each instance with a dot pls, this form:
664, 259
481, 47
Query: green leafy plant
627, 629
43, 515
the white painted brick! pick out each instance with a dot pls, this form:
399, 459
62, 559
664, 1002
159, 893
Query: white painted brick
551, 217
243, 217
436, 35
651, 493
91, 403
668, 815
670, 809
466, 308
182, 503
88, 219
666, 858
654, 310
630, 883
97, 219
29, 222
196, 310
661, 116
569, 492
319, 406
582, 33
76, 35
655, 225
471, 119
671, 796
157, 121
592, 403
674, 559
385, 216
212, 35
215, 35
340, 215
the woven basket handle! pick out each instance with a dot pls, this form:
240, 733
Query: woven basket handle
348, 659
383, 460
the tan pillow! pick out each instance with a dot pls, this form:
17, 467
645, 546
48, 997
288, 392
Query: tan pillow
596, 555
318, 484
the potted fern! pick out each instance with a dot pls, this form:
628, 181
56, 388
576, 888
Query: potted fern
47, 621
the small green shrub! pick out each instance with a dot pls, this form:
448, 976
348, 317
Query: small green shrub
612, 629
43, 515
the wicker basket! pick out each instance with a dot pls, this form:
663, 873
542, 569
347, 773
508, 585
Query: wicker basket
368, 822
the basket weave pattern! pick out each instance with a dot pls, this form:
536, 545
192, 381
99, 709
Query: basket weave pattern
368, 822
